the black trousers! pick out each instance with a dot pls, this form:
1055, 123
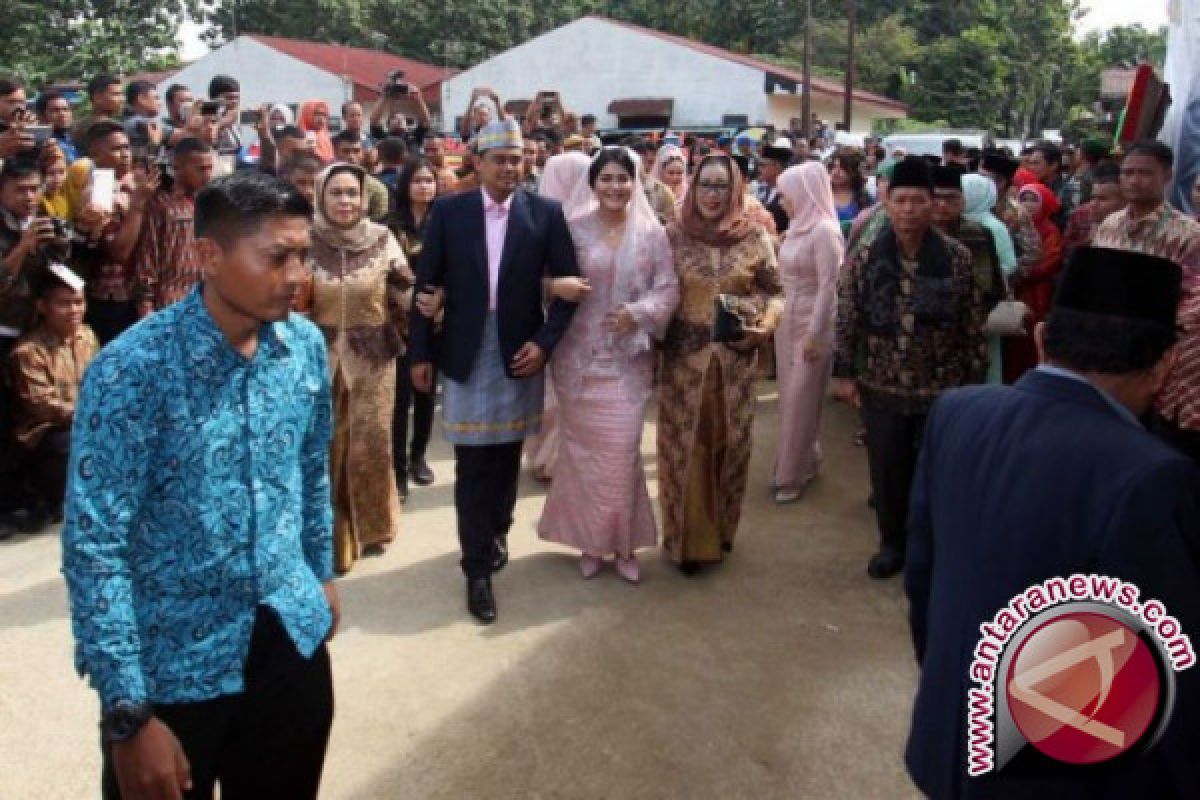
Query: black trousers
421, 404
109, 318
485, 493
1186, 442
268, 741
893, 442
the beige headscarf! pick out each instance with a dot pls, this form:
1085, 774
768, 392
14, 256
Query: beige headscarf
364, 233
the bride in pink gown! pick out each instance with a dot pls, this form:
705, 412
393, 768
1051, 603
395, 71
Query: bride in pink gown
603, 369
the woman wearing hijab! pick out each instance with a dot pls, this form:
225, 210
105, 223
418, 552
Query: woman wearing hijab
603, 369
706, 396
670, 167
314, 121
280, 116
361, 291
809, 259
1035, 288
560, 176
979, 198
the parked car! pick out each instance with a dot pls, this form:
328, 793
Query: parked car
930, 144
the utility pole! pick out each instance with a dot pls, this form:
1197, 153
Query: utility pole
851, 25
806, 91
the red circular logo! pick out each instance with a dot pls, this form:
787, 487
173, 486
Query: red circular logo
1083, 688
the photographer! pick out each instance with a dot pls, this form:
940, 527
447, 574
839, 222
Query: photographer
180, 104
547, 113
148, 133
227, 92
279, 145
400, 102
167, 261
13, 115
28, 243
53, 109
107, 260
483, 105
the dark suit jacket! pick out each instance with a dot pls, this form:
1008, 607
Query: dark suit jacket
1016, 485
454, 257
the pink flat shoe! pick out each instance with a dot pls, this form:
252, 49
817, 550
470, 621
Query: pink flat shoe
590, 566
628, 569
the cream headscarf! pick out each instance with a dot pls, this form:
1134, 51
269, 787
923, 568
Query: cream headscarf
364, 233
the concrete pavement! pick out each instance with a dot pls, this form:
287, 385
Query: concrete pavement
784, 673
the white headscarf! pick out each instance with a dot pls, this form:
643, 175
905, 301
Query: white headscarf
288, 117
641, 223
666, 154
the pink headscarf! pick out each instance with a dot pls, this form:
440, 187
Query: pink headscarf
810, 192
562, 175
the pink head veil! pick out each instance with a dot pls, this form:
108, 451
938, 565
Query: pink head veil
561, 174
642, 229
808, 188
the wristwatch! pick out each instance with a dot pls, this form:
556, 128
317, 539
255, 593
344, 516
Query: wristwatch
124, 720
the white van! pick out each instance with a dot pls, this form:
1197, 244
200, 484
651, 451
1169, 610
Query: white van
930, 144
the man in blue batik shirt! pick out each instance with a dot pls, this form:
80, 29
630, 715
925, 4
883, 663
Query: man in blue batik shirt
198, 539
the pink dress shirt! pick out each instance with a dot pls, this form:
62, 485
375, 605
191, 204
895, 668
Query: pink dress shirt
495, 217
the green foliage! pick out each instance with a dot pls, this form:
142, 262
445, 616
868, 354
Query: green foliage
49, 40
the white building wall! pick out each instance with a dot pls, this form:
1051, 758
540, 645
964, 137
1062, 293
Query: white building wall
266, 76
592, 62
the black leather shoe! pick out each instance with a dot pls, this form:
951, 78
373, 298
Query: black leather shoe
480, 600
500, 559
884, 564
422, 475
402, 491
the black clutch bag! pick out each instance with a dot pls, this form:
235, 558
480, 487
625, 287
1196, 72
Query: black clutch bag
727, 324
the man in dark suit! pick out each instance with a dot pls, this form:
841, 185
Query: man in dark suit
1047, 478
774, 160
489, 250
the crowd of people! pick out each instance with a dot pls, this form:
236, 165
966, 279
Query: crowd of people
242, 345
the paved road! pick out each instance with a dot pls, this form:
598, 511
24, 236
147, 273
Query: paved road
784, 673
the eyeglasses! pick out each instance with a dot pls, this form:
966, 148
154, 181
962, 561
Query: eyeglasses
714, 188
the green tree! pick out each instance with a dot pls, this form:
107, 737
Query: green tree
1128, 45
884, 52
340, 21
49, 40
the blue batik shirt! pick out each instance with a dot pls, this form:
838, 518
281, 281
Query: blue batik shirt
198, 491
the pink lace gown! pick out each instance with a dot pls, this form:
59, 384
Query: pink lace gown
598, 502
808, 265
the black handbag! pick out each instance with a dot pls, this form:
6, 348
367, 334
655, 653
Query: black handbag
728, 325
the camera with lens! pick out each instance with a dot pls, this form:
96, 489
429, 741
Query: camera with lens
395, 84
